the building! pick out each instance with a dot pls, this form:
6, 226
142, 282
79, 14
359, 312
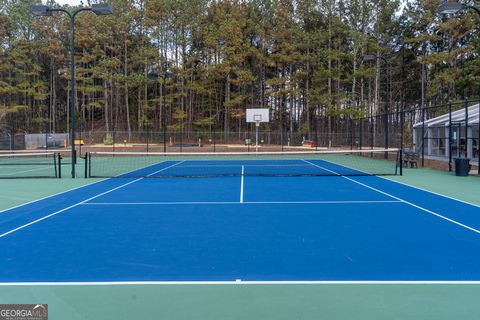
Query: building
433, 135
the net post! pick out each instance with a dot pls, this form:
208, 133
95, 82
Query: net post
59, 164
400, 161
89, 164
55, 164
86, 164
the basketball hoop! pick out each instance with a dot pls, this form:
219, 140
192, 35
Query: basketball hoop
257, 116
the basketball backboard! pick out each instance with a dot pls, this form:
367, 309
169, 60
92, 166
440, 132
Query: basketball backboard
258, 115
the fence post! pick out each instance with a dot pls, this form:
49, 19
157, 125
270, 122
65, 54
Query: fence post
351, 131
281, 136
450, 135
214, 142
181, 139
478, 143
146, 139
402, 126
360, 138
371, 133
79, 144
248, 137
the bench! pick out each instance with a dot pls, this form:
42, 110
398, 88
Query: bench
79, 142
410, 159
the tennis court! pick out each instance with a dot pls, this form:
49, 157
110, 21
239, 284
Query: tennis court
28, 164
306, 219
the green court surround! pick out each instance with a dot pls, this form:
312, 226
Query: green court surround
252, 301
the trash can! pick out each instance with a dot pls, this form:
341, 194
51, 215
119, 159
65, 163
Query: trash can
248, 142
462, 167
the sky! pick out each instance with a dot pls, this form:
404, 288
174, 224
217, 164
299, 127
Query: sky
70, 2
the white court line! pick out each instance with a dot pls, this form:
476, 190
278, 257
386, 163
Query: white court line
399, 199
246, 165
81, 202
157, 203
242, 184
240, 282
241, 202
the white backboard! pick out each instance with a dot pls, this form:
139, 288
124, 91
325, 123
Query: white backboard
258, 115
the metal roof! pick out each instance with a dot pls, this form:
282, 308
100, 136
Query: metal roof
457, 116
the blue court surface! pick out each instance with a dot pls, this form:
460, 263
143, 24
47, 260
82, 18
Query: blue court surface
248, 228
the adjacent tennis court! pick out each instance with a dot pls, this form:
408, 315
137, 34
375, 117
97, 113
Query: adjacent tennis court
29, 164
301, 219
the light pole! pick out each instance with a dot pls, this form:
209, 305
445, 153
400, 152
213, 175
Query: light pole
43, 10
451, 8
164, 76
374, 57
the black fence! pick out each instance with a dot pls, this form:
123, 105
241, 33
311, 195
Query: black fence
433, 132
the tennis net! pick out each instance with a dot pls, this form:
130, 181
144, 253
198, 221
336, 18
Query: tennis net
292, 163
29, 165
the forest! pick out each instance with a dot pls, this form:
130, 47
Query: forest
196, 65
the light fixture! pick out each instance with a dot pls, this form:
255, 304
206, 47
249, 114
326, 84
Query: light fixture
450, 7
369, 57
102, 9
39, 10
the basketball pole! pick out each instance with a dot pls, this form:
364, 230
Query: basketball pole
257, 116
256, 135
